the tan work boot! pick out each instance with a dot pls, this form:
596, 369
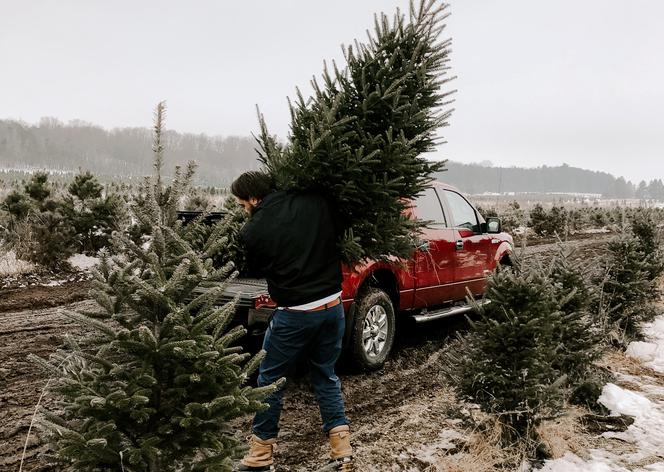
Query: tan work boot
259, 457
341, 451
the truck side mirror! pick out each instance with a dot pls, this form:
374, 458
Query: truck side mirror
493, 225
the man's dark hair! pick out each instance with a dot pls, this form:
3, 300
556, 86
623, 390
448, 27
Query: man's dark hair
252, 184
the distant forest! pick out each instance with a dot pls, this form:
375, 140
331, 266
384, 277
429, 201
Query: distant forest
120, 152
126, 152
476, 178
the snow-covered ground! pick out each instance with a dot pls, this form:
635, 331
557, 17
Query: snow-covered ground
82, 262
644, 439
10, 265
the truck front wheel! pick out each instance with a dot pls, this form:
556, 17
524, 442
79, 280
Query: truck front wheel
373, 330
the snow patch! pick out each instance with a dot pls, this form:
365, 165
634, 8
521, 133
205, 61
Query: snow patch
595, 230
650, 352
82, 262
445, 442
11, 265
624, 402
54, 283
647, 431
573, 463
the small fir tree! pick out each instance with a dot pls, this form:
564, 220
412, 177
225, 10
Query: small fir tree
578, 336
558, 221
18, 206
506, 363
38, 187
39, 230
51, 238
538, 220
93, 215
626, 289
644, 227
514, 217
532, 348
163, 379
199, 234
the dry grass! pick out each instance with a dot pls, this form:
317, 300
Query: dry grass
619, 362
565, 434
10, 265
482, 451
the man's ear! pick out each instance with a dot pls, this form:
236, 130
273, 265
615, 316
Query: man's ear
254, 201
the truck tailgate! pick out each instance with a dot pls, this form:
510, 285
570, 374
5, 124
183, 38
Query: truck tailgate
247, 289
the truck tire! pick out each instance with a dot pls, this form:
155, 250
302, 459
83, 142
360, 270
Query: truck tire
373, 331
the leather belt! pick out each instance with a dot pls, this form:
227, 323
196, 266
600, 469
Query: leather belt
325, 306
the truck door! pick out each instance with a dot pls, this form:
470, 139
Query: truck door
434, 257
471, 263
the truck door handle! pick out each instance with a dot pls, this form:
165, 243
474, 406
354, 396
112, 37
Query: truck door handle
459, 244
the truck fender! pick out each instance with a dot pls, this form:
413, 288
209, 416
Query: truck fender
505, 249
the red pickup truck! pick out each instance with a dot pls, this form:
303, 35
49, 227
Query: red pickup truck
455, 254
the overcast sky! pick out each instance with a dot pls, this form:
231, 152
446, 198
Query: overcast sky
539, 82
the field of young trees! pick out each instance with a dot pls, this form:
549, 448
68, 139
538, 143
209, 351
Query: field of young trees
514, 384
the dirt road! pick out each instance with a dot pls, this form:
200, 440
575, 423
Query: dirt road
403, 416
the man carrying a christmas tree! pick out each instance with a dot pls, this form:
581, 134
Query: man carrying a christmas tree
291, 241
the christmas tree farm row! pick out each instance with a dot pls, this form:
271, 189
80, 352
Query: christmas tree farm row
534, 347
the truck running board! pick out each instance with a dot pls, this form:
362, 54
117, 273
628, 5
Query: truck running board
445, 312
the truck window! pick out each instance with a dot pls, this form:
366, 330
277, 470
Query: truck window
428, 207
463, 214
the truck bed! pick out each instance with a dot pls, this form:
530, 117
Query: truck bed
248, 289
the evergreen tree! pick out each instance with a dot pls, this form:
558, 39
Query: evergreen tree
37, 187
163, 378
644, 228
360, 139
197, 202
18, 205
531, 349
38, 230
557, 221
85, 187
513, 217
538, 220
626, 289
579, 338
93, 215
199, 234
50, 239
506, 364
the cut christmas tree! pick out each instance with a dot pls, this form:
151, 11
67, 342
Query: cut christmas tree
362, 137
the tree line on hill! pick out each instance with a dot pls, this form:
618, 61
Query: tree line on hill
478, 178
126, 152
53, 145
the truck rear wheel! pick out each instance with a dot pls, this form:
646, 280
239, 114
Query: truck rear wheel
373, 330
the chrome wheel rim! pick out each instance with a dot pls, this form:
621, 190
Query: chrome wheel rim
374, 331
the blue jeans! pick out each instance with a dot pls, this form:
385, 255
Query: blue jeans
290, 335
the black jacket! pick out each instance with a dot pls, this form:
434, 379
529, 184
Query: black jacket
290, 240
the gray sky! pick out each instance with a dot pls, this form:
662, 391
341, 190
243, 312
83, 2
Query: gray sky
539, 82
